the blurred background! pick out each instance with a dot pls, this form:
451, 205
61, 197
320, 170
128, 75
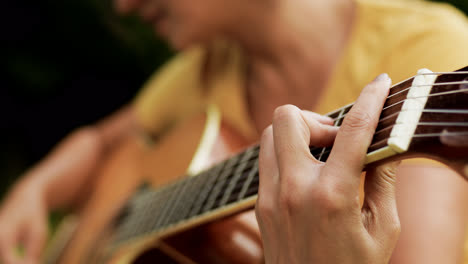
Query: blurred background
65, 64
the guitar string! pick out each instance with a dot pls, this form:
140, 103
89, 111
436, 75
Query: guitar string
255, 155
464, 133
434, 110
426, 85
420, 74
415, 97
250, 166
429, 110
327, 152
458, 111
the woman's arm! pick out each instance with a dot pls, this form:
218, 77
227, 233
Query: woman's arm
57, 181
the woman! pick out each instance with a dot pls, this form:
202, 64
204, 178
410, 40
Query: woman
314, 54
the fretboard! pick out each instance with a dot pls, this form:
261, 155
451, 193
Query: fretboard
226, 184
236, 180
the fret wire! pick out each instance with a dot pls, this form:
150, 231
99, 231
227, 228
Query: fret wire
253, 172
168, 197
253, 168
438, 111
131, 226
237, 173
212, 176
414, 97
189, 197
341, 116
127, 228
424, 85
176, 203
149, 207
219, 186
417, 135
244, 175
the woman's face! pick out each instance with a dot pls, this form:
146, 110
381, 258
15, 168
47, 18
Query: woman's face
183, 22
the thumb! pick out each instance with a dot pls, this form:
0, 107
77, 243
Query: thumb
380, 209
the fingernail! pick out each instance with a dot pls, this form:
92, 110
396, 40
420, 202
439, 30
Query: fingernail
382, 77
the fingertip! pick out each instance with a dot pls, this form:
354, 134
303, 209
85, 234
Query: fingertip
320, 118
384, 79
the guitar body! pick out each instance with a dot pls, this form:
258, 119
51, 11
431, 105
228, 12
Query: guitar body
132, 164
123, 224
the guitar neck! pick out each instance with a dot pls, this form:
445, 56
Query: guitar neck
232, 185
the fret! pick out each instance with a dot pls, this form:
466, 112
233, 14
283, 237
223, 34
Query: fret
188, 197
169, 204
220, 183
343, 113
244, 174
334, 114
135, 211
237, 179
338, 116
178, 191
146, 210
253, 172
212, 176
253, 188
237, 174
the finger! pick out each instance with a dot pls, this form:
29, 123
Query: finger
320, 118
355, 134
380, 200
7, 249
268, 168
323, 133
126, 6
293, 132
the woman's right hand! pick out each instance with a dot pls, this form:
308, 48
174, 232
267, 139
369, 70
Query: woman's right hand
23, 223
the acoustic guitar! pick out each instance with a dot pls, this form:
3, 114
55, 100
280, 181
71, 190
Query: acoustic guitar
426, 115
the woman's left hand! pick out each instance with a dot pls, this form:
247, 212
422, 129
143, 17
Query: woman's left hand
310, 211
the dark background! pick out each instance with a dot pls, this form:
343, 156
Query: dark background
64, 64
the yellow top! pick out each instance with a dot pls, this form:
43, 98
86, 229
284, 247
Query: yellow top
191, 81
397, 37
